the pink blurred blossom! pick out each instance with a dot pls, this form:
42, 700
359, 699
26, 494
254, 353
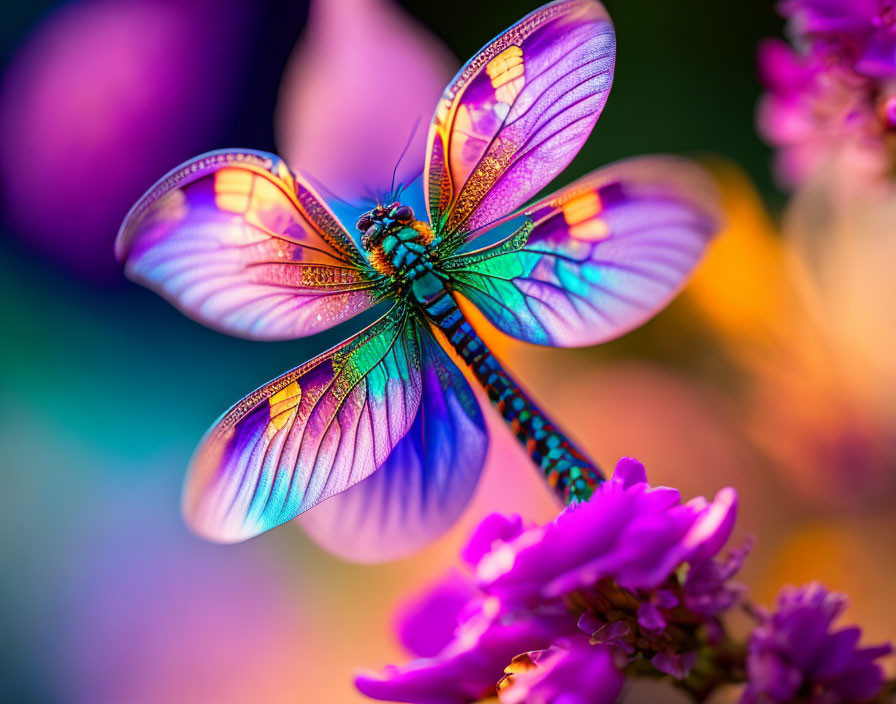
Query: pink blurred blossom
360, 78
834, 90
99, 100
813, 111
861, 33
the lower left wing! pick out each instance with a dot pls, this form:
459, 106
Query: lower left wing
307, 435
426, 483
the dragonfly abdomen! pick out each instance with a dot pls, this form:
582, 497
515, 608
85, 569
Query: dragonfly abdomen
566, 468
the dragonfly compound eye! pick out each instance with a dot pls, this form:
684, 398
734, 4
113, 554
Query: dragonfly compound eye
375, 231
401, 213
364, 222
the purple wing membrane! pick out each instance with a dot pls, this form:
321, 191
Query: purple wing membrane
307, 435
238, 242
517, 113
598, 258
424, 485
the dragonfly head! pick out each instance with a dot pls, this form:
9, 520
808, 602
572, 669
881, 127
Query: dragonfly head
396, 243
375, 224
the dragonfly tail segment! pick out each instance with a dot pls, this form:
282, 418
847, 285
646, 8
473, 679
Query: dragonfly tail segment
566, 469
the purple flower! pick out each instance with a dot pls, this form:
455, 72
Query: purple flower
629, 532
708, 589
426, 624
795, 655
487, 638
617, 574
580, 674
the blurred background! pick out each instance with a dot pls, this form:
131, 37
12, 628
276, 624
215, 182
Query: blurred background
773, 372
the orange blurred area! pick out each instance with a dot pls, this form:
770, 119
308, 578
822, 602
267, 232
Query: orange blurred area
770, 410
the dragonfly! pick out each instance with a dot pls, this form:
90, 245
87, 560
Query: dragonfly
386, 425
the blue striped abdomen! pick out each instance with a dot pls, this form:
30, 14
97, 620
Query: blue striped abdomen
566, 468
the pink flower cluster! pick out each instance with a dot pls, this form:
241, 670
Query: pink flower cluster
832, 92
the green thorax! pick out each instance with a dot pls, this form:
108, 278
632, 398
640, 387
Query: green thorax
402, 248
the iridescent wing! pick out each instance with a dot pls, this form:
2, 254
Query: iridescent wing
598, 258
517, 113
307, 435
240, 243
425, 483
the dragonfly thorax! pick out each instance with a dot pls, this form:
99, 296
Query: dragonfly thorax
397, 244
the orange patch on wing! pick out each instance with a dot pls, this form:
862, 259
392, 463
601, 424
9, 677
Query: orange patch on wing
507, 73
282, 404
581, 212
233, 188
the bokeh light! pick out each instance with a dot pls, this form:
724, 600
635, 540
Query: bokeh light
773, 372
99, 100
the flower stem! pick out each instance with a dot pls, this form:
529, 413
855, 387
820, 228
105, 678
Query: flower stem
716, 666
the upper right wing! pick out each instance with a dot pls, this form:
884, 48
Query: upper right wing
241, 244
517, 113
598, 258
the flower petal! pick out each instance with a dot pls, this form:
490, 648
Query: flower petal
361, 77
425, 624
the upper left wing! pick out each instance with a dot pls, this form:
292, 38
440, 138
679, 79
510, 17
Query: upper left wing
517, 113
598, 258
240, 243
